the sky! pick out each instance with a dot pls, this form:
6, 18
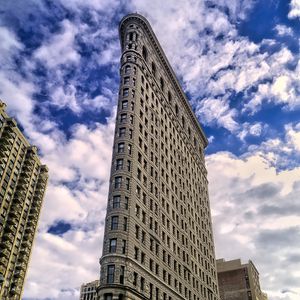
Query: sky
238, 63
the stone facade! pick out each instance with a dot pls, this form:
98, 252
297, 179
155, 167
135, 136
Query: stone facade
158, 241
239, 281
23, 182
88, 291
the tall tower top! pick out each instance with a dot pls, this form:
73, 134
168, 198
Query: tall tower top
143, 26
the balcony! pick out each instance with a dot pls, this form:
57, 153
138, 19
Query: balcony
2, 269
4, 145
29, 230
8, 133
31, 223
25, 174
15, 290
29, 161
24, 179
27, 168
20, 273
26, 244
21, 266
16, 207
8, 237
25, 252
5, 253
11, 221
12, 230
33, 218
28, 236
20, 192
18, 281
18, 200
3, 262
14, 214
6, 244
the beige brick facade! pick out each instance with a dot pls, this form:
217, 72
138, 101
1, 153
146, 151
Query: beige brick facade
23, 182
158, 241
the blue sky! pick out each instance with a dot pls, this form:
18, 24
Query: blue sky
238, 62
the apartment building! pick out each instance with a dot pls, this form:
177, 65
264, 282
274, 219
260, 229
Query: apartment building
23, 181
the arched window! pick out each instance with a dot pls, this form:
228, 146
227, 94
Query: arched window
176, 109
153, 69
131, 36
127, 69
144, 53
183, 122
162, 83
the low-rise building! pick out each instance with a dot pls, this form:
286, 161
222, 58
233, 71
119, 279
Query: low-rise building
88, 291
239, 281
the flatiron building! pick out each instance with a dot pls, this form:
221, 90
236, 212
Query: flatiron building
158, 240
23, 181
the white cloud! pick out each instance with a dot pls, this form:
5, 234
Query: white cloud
283, 88
60, 49
65, 97
254, 129
9, 46
295, 9
283, 30
78, 196
16, 92
217, 111
255, 208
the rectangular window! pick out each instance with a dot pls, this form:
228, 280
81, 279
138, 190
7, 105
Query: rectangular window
127, 184
122, 132
136, 253
135, 278
119, 164
123, 246
124, 104
116, 201
137, 231
108, 297
121, 147
142, 284
118, 182
126, 80
125, 92
112, 245
125, 224
127, 69
123, 118
110, 273
128, 165
122, 273
114, 222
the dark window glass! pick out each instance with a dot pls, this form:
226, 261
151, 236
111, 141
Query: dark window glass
114, 222
116, 201
112, 245
110, 273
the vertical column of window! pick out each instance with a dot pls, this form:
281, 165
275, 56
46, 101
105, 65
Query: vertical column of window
131, 40
7, 161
